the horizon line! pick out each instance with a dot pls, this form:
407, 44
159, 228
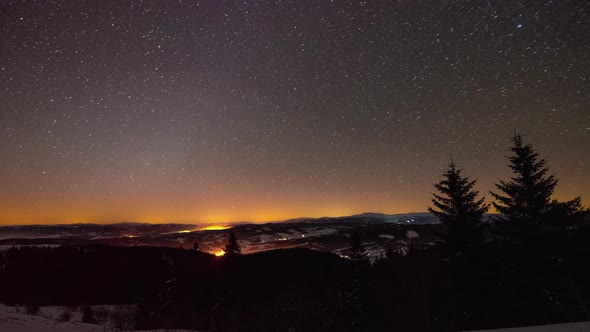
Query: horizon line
209, 223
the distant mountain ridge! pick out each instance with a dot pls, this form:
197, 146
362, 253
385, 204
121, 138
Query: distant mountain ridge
377, 216
140, 229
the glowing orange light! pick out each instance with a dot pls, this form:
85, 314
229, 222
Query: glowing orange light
184, 231
214, 228
219, 253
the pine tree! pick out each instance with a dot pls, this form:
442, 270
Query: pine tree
459, 208
354, 294
232, 248
526, 198
568, 212
357, 251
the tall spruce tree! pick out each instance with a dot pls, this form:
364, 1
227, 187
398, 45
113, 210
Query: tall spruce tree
357, 251
459, 208
526, 197
232, 248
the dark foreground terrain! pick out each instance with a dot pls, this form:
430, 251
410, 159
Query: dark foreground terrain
542, 279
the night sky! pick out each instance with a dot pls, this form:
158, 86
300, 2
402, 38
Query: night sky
186, 111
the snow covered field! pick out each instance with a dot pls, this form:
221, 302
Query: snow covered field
569, 327
15, 319
4, 247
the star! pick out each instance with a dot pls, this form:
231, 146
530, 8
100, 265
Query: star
178, 111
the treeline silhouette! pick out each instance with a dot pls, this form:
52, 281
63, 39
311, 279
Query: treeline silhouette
492, 285
529, 266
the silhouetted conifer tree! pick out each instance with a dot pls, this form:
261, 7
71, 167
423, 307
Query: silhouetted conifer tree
354, 295
526, 197
232, 247
196, 246
569, 211
459, 208
357, 251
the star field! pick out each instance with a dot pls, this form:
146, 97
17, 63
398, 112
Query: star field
222, 111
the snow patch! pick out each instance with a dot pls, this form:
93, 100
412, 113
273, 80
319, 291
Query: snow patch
15, 319
6, 247
568, 327
321, 232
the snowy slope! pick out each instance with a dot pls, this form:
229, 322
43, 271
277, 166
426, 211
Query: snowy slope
569, 327
13, 319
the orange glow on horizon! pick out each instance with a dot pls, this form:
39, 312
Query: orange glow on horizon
214, 228
219, 253
213, 213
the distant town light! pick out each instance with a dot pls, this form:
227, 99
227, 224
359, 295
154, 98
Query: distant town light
214, 228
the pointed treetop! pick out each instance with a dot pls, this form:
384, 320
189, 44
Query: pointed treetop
232, 248
458, 207
458, 199
527, 195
